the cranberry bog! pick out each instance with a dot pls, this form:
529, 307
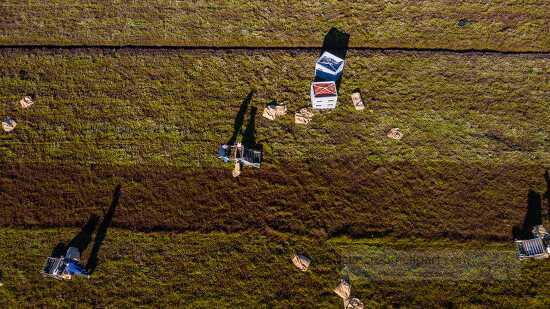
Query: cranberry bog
142, 98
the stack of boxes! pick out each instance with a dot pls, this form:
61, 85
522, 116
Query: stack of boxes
328, 71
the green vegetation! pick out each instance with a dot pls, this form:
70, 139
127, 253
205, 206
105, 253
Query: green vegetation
500, 25
251, 270
476, 139
173, 108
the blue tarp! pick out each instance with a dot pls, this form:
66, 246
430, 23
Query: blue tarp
223, 153
330, 63
75, 269
328, 67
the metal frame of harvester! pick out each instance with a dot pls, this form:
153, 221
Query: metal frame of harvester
238, 153
58, 267
535, 248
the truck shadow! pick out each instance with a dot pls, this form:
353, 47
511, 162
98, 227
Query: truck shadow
336, 42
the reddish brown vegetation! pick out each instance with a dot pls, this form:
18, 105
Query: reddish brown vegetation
443, 199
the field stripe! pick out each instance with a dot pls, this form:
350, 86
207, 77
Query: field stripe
223, 270
171, 107
476, 140
345, 196
499, 25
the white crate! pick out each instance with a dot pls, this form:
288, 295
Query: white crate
323, 95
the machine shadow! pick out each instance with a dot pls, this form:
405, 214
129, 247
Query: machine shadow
102, 231
533, 217
249, 134
80, 241
547, 193
239, 120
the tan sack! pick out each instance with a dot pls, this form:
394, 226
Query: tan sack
8, 124
539, 231
273, 111
357, 101
303, 116
353, 303
301, 262
343, 289
237, 170
26, 101
395, 133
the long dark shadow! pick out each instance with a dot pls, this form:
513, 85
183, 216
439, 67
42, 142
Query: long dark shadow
249, 135
533, 216
59, 250
80, 241
336, 42
102, 231
237, 126
84, 237
547, 193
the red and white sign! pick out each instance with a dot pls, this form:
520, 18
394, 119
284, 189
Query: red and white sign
324, 89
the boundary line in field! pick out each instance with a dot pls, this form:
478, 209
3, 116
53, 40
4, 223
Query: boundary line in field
267, 48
